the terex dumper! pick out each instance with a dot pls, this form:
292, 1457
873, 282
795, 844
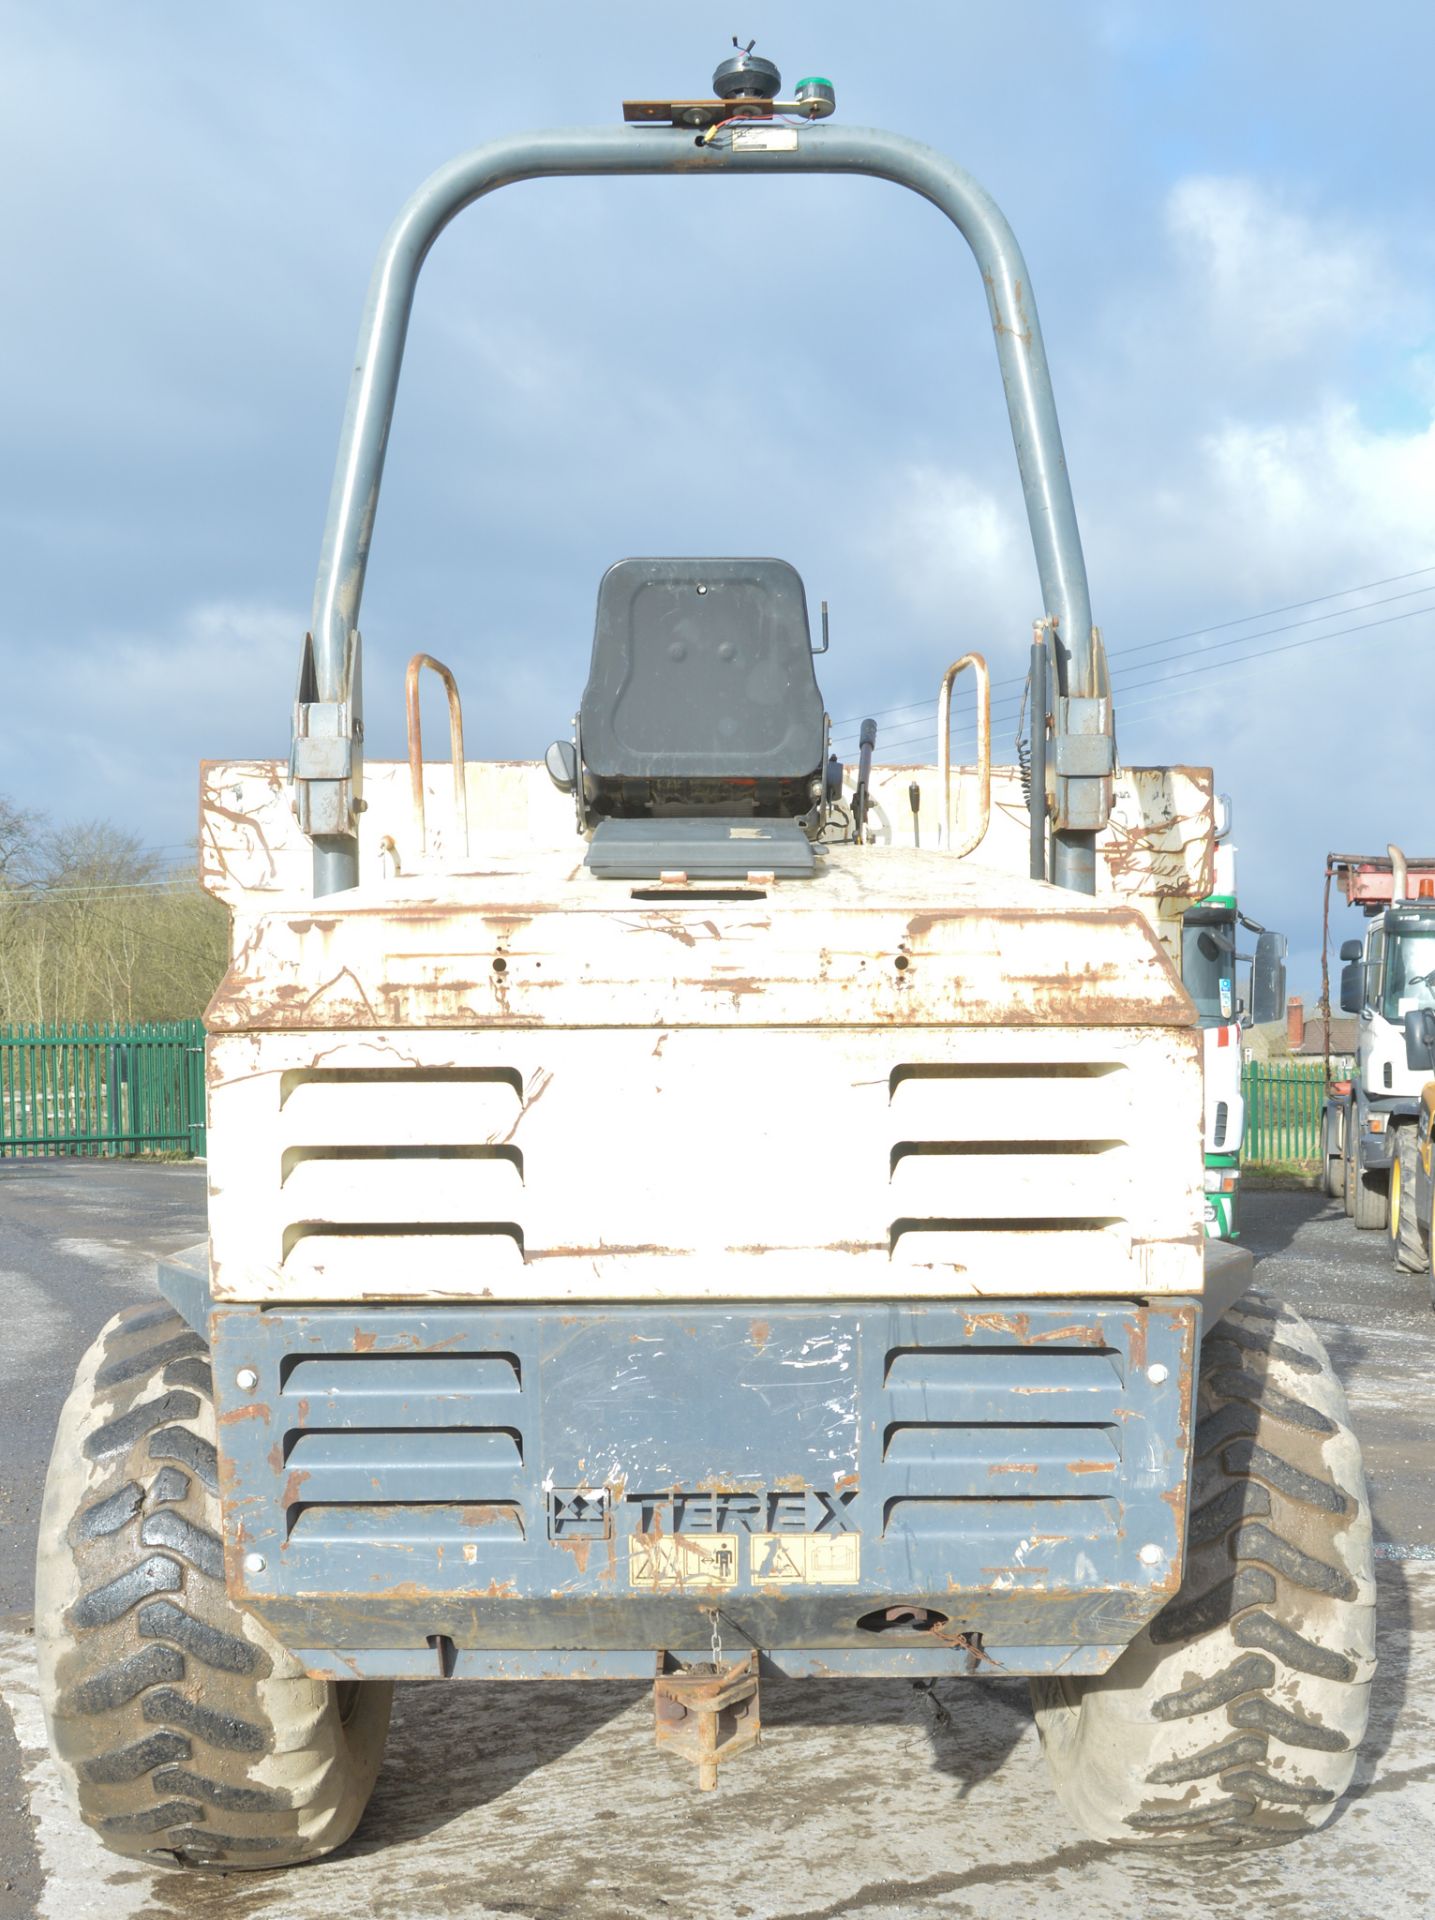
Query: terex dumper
661, 1224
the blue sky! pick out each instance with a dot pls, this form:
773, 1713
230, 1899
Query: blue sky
1226, 211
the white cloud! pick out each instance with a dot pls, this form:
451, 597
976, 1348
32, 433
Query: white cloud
1270, 279
949, 542
1324, 486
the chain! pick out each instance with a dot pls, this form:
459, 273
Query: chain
717, 1637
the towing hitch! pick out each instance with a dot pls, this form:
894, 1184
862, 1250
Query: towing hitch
706, 1710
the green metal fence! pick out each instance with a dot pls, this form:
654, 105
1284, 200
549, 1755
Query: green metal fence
1284, 1099
97, 1088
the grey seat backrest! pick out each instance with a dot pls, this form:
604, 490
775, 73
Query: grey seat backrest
702, 670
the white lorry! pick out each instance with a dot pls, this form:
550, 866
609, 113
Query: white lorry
1231, 991
1368, 1133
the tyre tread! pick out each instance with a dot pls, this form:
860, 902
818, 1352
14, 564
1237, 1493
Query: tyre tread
153, 1682
1270, 1639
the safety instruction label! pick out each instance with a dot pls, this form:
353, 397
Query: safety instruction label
670, 1560
806, 1559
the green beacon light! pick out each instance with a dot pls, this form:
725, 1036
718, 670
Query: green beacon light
816, 96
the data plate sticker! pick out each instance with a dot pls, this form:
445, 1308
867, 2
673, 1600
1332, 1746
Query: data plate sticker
764, 139
668, 1561
806, 1559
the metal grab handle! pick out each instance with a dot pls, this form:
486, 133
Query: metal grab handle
984, 751
416, 747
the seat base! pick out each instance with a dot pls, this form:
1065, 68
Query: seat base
711, 847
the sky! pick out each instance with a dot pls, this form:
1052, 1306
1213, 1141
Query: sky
1227, 214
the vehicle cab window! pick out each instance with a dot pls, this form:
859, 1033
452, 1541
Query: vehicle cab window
1409, 984
1374, 969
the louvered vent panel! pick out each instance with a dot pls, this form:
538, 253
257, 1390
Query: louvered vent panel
1002, 1443
391, 1170
991, 1155
395, 1448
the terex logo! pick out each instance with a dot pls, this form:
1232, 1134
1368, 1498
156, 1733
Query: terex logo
798, 1510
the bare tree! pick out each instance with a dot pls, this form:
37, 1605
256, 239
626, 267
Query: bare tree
92, 927
19, 845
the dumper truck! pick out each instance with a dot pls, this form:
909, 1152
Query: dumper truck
673, 1217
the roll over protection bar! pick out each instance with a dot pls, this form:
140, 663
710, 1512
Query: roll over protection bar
326, 807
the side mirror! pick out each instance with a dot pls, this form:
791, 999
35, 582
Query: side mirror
1268, 979
1420, 1041
1351, 950
1352, 986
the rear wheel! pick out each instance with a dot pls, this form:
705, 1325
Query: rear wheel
1406, 1246
1367, 1190
185, 1733
1331, 1158
1233, 1719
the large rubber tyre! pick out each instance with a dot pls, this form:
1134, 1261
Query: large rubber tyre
1331, 1158
1233, 1719
1367, 1192
1347, 1169
1407, 1247
185, 1733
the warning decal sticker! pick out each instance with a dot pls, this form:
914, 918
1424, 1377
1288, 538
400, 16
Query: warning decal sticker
668, 1560
806, 1559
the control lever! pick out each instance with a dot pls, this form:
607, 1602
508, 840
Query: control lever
868, 739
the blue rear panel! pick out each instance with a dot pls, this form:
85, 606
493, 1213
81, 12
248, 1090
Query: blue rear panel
507, 1484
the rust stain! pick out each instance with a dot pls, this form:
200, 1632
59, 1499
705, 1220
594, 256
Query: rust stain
759, 1333
487, 1515
252, 1410
364, 1342
600, 1252
1018, 1325
1138, 1341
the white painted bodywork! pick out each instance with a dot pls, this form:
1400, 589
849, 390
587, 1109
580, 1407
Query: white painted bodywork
909, 1075
1222, 1075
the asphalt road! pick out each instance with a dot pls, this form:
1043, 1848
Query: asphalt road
866, 1798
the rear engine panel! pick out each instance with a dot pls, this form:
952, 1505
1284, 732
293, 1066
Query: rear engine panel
531, 1491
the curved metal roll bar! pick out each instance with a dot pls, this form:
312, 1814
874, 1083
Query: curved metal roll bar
984, 753
646, 150
416, 749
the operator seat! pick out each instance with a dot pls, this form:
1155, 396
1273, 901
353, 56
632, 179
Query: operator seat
701, 718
